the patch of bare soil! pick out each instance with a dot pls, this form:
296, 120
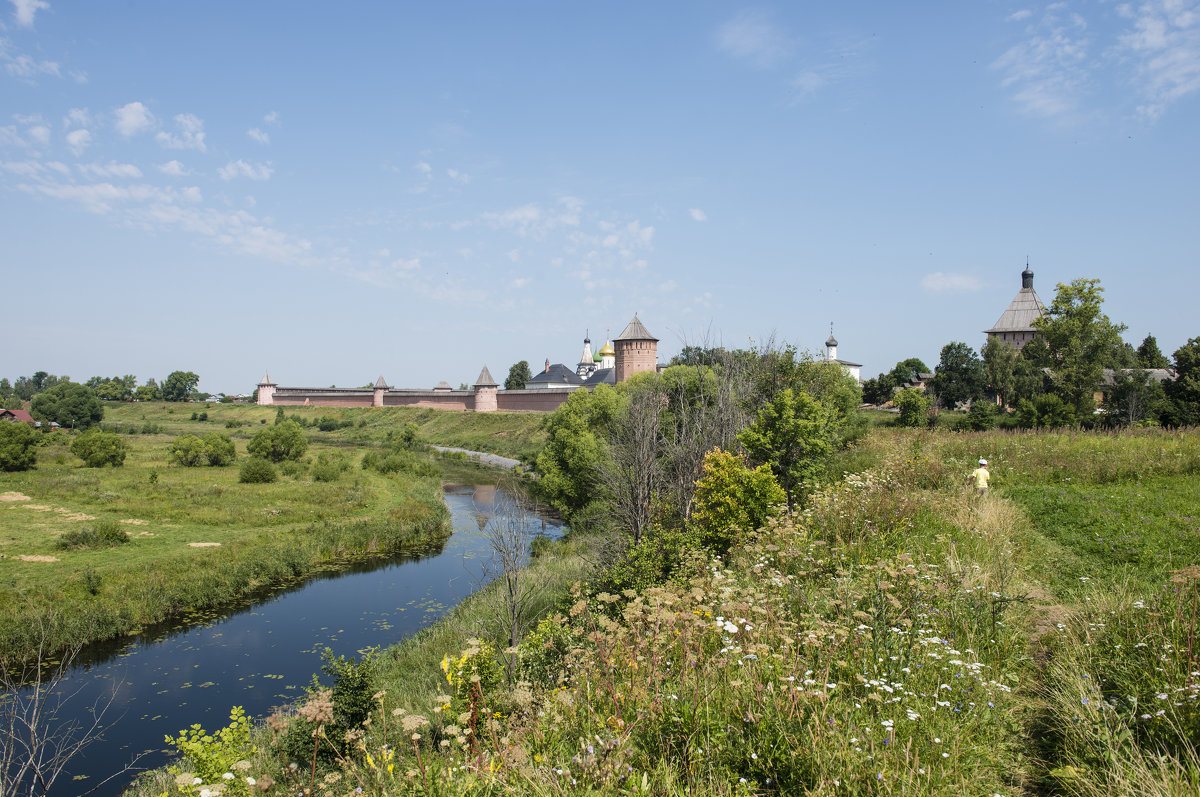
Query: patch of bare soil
37, 558
204, 544
10, 497
135, 522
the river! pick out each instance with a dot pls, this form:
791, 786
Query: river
262, 656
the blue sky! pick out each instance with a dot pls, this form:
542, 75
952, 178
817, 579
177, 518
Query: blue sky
340, 191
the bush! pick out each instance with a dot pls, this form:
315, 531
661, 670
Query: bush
187, 451
18, 443
97, 449
212, 756
982, 416
913, 406
279, 442
387, 462
105, 534
219, 449
257, 470
329, 468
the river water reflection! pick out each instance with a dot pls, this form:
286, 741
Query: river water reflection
264, 655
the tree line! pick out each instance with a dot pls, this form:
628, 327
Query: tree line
1053, 379
178, 386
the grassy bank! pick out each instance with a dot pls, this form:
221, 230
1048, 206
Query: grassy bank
196, 538
512, 434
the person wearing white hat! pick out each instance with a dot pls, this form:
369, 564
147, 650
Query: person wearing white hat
981, 476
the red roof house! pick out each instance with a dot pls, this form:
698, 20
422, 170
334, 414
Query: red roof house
20, 416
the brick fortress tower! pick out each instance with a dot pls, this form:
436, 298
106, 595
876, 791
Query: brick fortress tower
636, 350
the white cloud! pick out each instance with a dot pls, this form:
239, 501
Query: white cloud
525, 219
1165, 41
1050, 69
698, 214
272, 118
751, 37
406, 265
520, 282
102, 197
423, 168
940, 282
258, 135
40, 134
78, 141
191, 134
1017, 16
78, 117
9, 137
26, 67
241, 168
174, 169
457, 176
808, 82
110, 169
133, 118
24, 11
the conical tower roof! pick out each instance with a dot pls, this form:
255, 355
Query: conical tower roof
266, 380
1025, 308
636, 331
381, 383
485, 379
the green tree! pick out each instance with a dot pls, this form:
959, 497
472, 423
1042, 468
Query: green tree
179, 385
730, 496
1000, 370
908, 369
218, 449
187, 451
1080, 342
8, 396
97, 449
793, 434
982, 416
1047, 411
518, 376
1184, 392
960, 375
913, 406
575, 448
18, 446
68, 404
1148, 355
149, 391
1133, 397
279, 442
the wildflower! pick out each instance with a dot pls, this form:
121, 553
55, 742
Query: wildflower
228, 776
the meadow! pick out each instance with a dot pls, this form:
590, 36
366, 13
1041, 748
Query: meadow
899, 635
194, 538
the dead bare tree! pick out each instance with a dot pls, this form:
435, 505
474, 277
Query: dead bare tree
521, 599
631, 475
39, 732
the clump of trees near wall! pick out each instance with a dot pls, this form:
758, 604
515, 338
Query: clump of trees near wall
664, 458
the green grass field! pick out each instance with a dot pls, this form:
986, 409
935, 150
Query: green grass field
198, 538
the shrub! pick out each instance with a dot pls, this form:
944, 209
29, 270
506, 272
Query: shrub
279, 442
187, 451
983, 416
18, 443
913, 405
257, 470
97, 449
105, 534
387, 462
203, 416
213, 756
329, 468
219, 449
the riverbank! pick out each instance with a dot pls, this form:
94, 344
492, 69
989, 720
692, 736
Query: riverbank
900, 635
195, 538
